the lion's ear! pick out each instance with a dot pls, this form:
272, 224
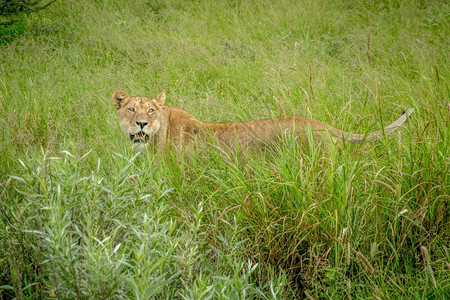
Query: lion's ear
161, 98
120, 98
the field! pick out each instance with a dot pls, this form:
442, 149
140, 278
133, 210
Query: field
83, 215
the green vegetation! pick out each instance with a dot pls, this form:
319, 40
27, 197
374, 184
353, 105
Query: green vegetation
13, 10
85, 216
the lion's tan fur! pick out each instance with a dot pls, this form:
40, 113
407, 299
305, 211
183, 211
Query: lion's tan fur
171, 126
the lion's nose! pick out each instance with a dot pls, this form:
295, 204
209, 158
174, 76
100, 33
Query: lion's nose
141, 124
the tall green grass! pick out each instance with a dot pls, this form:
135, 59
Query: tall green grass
85, 216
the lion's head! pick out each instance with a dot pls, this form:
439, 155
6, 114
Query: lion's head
140, 117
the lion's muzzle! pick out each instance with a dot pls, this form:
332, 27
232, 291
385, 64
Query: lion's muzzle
140, 137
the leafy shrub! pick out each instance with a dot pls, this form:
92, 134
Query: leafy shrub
13, 10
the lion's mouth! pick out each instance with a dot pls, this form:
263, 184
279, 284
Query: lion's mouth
140, 137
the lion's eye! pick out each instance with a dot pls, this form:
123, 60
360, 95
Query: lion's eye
151, 110
131, 109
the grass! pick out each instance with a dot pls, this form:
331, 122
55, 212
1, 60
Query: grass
85, 216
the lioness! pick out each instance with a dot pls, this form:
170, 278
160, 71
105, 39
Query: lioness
147, 120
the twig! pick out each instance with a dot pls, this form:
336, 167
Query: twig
368, 48
280, 106
308, 112
310, 82
378, 95
42, 7
394, 283
365, 261
437, 74
426, 258
308, 296
385, 185
7, 23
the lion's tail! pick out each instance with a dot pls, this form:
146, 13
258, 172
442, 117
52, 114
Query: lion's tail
355, 138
